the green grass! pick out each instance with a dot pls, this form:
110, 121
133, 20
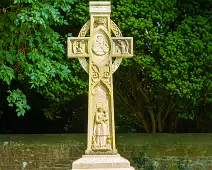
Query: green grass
131, 138
167, 148
43, 139
165, 139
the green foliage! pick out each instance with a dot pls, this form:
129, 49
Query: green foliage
81, 13
174, 50
142, 161
17, 98
170, 73
6, 74
168, 77
32, 53
172, 41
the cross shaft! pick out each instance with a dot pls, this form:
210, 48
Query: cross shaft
100, 47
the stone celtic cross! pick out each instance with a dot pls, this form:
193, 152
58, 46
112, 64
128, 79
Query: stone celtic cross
100, 47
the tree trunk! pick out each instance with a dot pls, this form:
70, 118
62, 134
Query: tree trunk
170, 106
152, 120
159, 122
174, 125
145, 125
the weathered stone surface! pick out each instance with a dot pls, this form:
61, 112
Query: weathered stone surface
100, 47
112, 162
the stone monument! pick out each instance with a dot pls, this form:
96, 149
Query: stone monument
105, 42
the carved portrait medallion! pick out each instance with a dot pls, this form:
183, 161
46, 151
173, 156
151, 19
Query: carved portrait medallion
100, 45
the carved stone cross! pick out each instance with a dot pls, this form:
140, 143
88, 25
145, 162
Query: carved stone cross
100, 47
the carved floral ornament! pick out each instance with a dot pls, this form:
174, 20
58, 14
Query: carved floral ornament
102, 75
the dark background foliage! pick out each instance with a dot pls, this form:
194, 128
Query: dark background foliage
167, 85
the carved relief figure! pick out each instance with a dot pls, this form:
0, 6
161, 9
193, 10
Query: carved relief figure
101, 138
100, 46
79, 47
122, 47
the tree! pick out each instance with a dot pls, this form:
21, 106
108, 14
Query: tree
32, 54
170, 74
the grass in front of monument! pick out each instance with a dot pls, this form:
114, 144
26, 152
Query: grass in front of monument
125, 142
121, 138
165, 138
169, 151
154, 144
44, 139
143, 150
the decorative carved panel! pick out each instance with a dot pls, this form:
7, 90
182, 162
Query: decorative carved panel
122, 46
78, 47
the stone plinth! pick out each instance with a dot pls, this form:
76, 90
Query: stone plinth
102, 162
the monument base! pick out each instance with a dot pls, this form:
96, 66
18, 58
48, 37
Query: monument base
102, 162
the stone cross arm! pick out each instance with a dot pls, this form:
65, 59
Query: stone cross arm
79, 47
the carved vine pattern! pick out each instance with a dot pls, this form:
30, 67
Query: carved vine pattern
100, 75
82, 33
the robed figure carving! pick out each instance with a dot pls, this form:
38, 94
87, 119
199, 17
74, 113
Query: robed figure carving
101, 135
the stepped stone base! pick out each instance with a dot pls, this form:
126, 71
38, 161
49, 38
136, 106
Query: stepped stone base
102, 162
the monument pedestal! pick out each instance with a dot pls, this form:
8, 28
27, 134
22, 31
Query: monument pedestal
102, 162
